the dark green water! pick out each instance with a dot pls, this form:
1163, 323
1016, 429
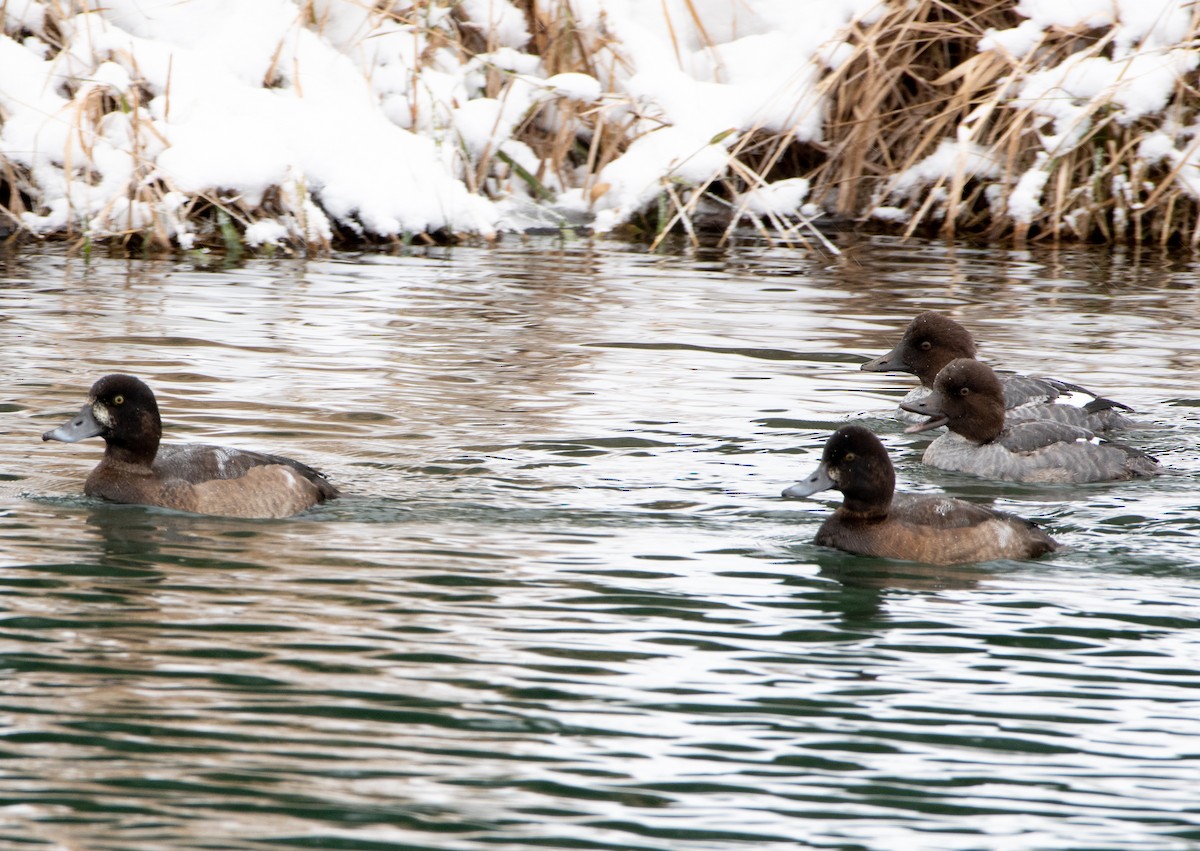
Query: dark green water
563, 606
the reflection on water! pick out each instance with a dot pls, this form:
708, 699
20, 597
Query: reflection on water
563, 605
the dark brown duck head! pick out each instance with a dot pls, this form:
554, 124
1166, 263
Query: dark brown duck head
122, 410
967, 398
930, 342
856, 463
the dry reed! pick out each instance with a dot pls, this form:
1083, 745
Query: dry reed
915, 82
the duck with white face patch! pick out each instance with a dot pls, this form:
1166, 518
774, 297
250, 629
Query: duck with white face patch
137, 468
875, 520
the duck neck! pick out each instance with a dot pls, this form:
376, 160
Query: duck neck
141, 446
984, 426
870, 504
866, 510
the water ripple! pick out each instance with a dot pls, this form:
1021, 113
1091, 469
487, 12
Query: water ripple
563, 605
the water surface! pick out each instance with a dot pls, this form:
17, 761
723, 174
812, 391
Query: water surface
562, 605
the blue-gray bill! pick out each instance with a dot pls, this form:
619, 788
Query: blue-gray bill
818, 481
80, 427
927, 407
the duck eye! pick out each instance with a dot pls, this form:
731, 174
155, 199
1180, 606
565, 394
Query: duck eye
118, 399
926, 345
849, 456
964, 391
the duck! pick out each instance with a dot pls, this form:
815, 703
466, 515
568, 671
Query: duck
875, 520
932, 340
968, 398
138, 469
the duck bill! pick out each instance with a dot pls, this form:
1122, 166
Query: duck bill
80, 427
925, 409
931, 423
893, 361
815, 483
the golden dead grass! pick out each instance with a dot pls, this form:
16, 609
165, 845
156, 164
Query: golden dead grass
917, 79
915, 82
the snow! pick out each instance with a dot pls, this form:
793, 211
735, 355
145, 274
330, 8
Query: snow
1017, 42
1128, 75
1136, 86
1067, 14
581, 87
499, 20
950, 158
895, 215
1025, 201
781, 198
1185, 165
301, 118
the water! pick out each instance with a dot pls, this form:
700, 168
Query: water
563, 605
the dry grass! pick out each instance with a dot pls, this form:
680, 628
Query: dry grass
915, 81
585, 139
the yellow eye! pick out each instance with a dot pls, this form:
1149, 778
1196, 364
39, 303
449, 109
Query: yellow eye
849, 456
118, 400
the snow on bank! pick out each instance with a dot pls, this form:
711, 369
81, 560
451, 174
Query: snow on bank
303, 118
150, 104
1142, 56
299, 117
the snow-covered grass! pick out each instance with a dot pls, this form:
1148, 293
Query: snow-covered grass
1049, 119
308, 123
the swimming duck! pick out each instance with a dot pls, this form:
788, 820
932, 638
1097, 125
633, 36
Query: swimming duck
874, 520
189, 477
932, 340
968, 399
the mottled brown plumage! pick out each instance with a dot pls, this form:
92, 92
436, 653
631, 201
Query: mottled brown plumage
873, 520
190, 477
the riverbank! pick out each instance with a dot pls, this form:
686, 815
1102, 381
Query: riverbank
306, 125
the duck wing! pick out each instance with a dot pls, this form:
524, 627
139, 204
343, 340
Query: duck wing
939, 512
197, 463
1032, 435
